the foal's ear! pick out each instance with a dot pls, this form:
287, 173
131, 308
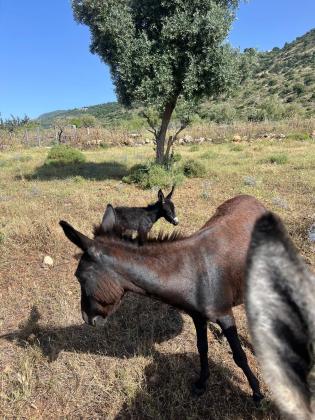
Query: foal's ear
109, 219
76, 237
161, 196
169, 196
280, 305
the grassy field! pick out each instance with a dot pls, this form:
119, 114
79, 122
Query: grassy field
141, 364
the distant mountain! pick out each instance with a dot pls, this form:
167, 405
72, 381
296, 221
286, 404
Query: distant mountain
283, 83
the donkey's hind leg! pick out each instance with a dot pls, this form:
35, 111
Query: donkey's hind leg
227, 323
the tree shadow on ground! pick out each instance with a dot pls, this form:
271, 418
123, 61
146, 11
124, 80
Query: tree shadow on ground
165, 393
122, 336
87, 170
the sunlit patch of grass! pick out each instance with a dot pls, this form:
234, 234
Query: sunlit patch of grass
279, 159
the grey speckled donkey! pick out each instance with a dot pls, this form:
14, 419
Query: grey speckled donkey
140, 219
280, 304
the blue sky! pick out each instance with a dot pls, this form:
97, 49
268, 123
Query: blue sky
46, 64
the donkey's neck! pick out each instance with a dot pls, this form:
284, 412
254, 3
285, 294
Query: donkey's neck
153, 211
150, 272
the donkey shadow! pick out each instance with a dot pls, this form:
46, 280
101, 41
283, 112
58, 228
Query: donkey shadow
129, 332
165, 393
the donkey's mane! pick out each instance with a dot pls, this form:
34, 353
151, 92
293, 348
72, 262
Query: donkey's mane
117, 234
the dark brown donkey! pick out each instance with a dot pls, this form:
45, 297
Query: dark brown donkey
202, 275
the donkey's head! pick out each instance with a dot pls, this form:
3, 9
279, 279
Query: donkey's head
167, 208
280, 304
101, 291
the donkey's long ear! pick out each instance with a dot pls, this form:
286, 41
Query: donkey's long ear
169, 196
280, 305
76, 237
109, 219
161, 196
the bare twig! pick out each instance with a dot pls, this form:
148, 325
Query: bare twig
153, 129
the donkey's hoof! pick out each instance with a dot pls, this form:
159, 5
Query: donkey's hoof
198, 389
257, 398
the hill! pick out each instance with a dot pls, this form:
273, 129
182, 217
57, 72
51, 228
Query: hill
282, 85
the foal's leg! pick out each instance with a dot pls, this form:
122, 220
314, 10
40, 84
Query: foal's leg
227, 323
200, 322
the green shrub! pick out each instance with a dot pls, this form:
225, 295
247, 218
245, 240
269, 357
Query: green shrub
194, 148
153, 175
299, 88
237, 148
193, 169
299, 136
209, 154
279, 159
104, 146
176, 157
64, 155
78, 179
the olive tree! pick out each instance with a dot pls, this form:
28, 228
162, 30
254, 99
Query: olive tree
160, 51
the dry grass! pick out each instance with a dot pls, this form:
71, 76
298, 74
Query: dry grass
141, 365
89, 138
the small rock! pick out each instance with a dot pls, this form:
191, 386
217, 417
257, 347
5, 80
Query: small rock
279, 202
250, 181
311, 233
237, 138
48, 261
188, 139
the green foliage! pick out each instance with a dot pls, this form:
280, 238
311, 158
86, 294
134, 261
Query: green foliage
237, 148
194, 169
222, 113
78, 179
153, 175
64, 155
299, 136
298, 88
194, 148
85, 120
270, 109
209, 155
161, 51
279, 159
157, 50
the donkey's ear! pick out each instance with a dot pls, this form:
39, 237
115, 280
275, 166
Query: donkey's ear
76, 237
280, 305
161, 196
169, 196
109, 218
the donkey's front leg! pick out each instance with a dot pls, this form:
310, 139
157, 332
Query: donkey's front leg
200, 322
227, 323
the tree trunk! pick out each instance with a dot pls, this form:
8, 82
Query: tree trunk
160, 138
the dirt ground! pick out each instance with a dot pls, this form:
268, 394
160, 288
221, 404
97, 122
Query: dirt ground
142, 363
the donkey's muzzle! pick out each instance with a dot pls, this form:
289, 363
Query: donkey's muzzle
175, 221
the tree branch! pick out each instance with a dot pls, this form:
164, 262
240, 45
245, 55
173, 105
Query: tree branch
150, 122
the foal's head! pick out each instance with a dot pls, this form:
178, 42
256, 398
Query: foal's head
101, 291
166, 207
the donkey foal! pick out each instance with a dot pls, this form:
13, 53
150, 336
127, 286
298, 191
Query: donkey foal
140, 219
